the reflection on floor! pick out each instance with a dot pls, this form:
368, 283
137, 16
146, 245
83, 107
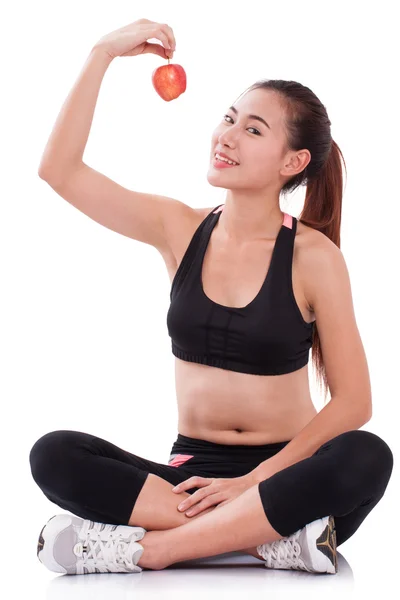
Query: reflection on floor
229, 575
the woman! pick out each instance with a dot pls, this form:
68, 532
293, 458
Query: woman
253, 289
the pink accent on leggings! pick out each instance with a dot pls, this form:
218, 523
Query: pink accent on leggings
179, 460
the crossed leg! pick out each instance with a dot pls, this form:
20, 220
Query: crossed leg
213, 531
345, 478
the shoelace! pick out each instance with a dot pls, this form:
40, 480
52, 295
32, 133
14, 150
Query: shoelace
284, 553
104, 547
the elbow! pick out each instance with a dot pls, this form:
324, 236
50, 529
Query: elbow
51, 177
44, 173
366, 414
56, 176
41, 173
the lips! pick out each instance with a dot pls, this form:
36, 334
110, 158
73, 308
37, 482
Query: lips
220, 163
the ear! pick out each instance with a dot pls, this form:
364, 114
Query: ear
296, 162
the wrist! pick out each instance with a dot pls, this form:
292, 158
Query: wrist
100, 51
259, 474
253, 478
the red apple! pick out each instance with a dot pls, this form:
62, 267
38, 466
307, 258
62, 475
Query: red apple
169, 81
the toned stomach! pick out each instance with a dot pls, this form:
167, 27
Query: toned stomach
227, 407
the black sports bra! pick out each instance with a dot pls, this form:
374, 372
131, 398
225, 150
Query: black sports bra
269, 336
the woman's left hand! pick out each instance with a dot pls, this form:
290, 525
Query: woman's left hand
213, 491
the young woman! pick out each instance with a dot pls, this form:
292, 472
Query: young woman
253, 290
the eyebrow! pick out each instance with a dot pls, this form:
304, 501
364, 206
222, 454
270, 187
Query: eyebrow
251, 116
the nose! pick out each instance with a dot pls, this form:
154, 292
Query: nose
227, 139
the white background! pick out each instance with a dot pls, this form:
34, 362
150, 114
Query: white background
84, 338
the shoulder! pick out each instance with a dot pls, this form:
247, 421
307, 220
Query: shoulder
308, 238
319, 260
315, 245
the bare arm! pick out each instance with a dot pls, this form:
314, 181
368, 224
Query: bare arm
143, 217
66, 145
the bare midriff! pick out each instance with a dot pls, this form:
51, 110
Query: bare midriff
228, 407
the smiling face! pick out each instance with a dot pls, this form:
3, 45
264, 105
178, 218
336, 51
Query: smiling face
259, 145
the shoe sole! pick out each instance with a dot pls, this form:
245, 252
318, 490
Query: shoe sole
326, 543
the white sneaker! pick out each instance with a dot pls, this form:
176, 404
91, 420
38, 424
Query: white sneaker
75, 546
312, 548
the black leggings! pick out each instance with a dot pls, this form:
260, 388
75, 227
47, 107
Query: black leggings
94, 479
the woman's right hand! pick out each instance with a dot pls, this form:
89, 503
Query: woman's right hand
132, 40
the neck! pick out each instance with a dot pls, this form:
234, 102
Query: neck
245, 220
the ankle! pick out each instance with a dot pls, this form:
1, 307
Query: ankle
252, 552
152, 556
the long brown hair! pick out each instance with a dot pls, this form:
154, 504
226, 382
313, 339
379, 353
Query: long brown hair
308, 127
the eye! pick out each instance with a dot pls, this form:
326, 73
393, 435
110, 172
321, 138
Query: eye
254, 129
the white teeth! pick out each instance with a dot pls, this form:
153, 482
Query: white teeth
230, 162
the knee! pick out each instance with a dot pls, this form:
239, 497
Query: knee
368, 454
49, 453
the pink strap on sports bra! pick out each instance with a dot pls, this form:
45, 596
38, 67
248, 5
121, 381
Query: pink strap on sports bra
287, 219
